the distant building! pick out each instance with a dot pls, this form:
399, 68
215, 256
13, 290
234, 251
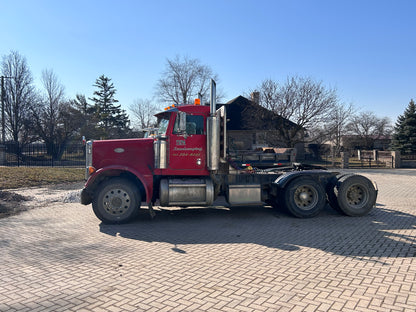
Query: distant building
355, 142
252, 126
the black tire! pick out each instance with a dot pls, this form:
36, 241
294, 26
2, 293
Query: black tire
116, 201
332, 197
356, 195
304, 197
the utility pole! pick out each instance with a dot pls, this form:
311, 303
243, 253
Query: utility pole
3, 129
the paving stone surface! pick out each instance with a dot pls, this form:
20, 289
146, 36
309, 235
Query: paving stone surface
59, 257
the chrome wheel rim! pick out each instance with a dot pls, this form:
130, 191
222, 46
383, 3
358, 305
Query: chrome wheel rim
116, 201
357, 196
306, 197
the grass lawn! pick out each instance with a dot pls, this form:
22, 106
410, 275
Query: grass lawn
18, 177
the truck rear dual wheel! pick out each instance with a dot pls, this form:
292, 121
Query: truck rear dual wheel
304, 197
116, 201
332, 197
355, 195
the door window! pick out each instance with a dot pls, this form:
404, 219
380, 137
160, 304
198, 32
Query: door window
194, 125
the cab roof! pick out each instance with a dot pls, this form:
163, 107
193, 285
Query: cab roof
191, 109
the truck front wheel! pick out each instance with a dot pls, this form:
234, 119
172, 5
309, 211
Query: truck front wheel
304, 197
116, 201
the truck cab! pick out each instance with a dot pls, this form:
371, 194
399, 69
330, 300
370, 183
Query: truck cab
181, 143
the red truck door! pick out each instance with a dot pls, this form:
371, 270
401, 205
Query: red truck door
187, 149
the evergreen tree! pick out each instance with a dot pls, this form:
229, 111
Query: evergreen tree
404, 139
85, 114
112, 120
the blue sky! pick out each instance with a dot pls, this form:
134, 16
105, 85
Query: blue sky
365, 49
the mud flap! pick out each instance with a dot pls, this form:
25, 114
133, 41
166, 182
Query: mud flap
152, 213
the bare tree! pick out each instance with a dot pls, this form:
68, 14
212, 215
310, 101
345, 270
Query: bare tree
20, 95
306, 103
183, 79
54, 96
367, 127
269, 95
337, 127
143, 111
52, 115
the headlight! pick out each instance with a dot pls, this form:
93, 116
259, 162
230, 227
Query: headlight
88, 160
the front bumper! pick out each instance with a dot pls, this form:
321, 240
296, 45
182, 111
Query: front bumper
86, 197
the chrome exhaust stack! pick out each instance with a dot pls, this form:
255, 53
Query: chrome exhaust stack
213, 132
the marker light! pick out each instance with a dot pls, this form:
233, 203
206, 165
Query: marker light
197, 102
91, 170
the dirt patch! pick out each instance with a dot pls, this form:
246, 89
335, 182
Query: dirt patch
12, 203
17, 200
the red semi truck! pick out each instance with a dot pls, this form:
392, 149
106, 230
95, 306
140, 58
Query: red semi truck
187, 164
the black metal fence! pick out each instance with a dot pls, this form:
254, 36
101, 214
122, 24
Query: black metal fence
36, 154
73, 155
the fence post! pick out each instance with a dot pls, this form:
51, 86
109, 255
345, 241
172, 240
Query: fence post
2, 155
345, 160
18, 153
396, 159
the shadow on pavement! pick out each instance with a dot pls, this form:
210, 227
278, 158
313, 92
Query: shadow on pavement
382, 233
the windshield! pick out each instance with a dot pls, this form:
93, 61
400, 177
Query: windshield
150, 132
162, 125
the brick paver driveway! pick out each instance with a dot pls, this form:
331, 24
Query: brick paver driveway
59, 257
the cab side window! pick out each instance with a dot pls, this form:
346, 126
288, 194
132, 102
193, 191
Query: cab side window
194, 125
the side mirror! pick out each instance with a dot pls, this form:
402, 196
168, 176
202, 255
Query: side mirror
182, 121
